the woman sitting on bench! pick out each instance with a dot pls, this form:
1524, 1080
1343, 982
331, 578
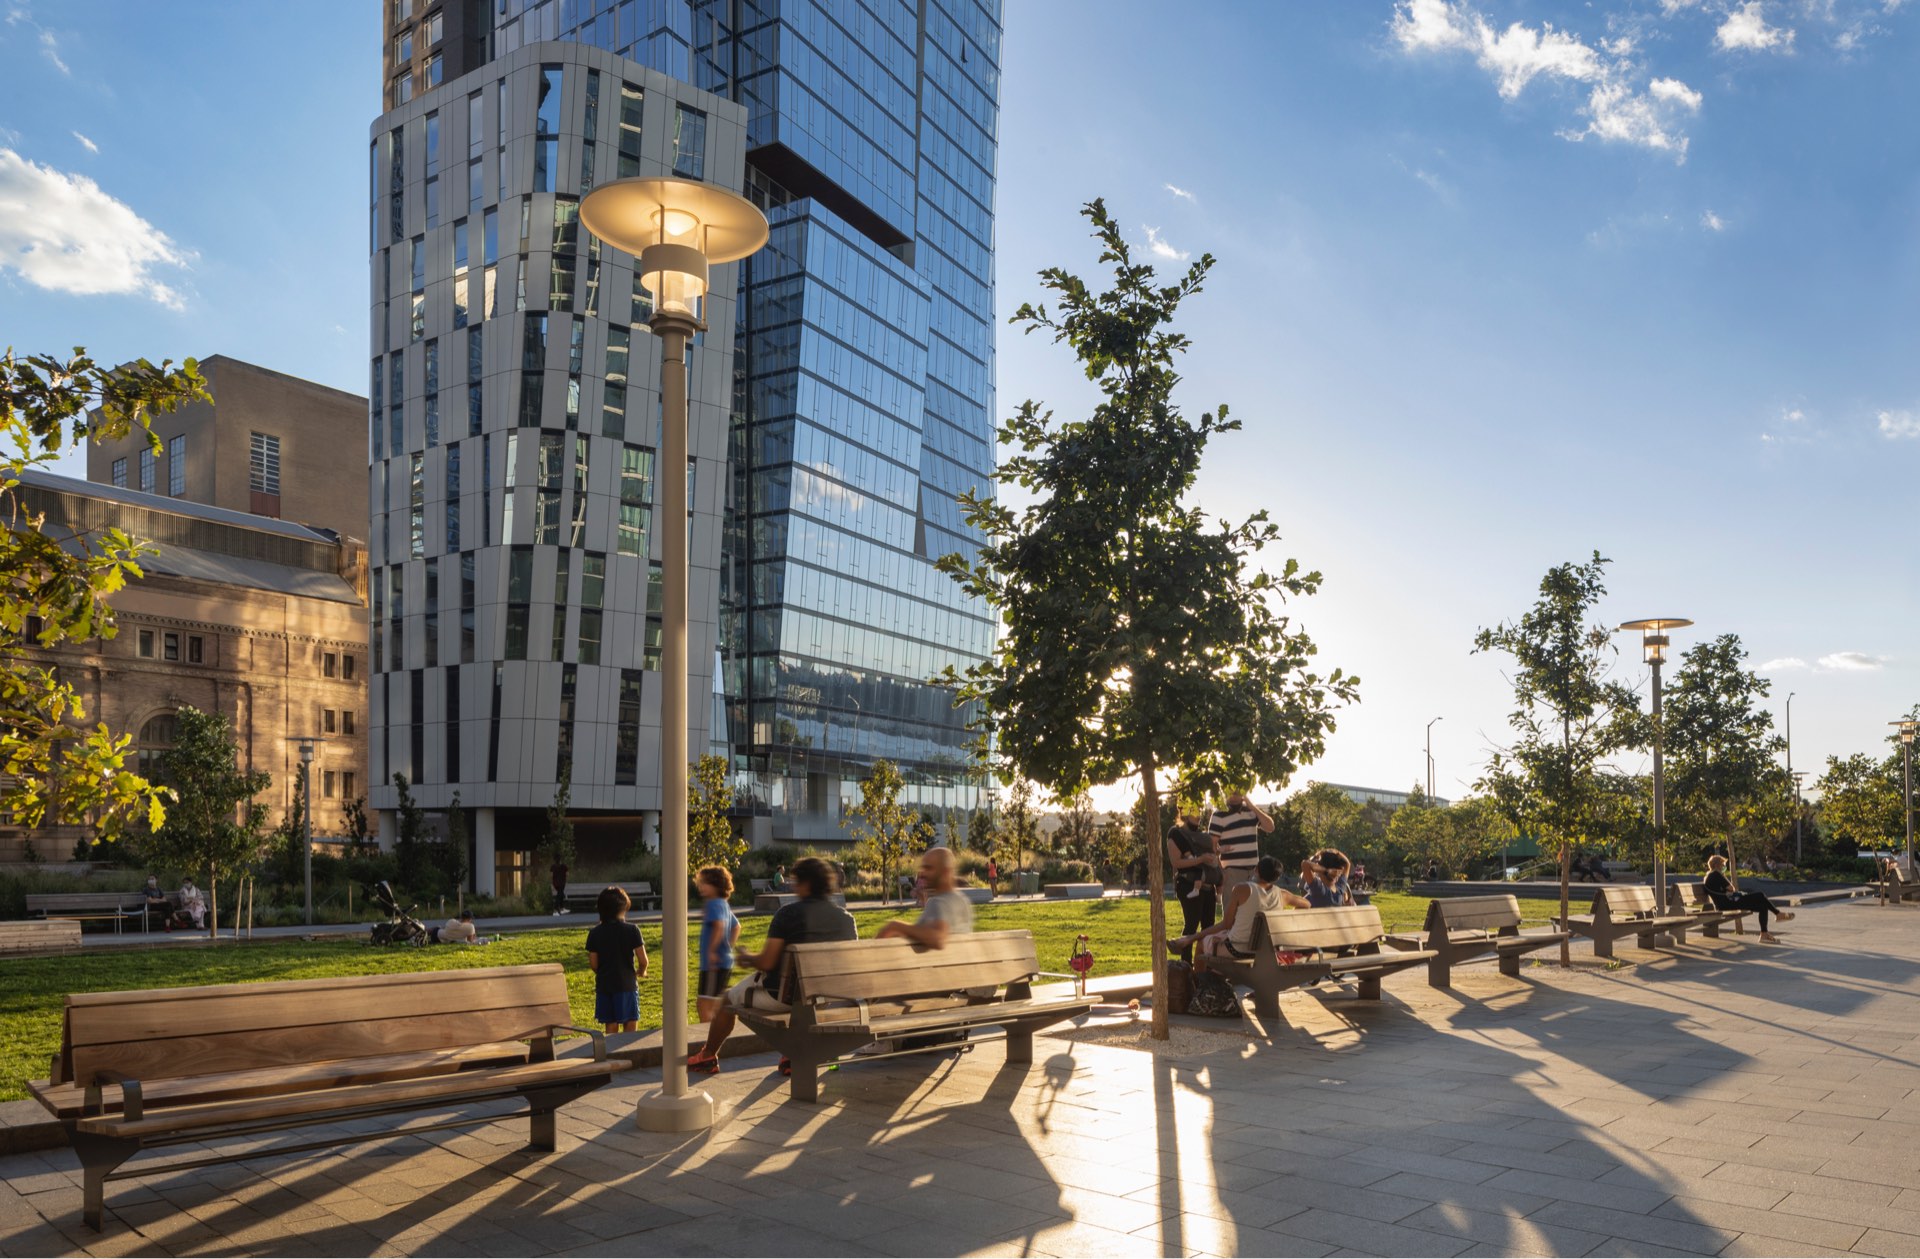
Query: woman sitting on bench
1725, 894
1234, 936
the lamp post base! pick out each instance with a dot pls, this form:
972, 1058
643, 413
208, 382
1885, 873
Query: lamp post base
659, 1112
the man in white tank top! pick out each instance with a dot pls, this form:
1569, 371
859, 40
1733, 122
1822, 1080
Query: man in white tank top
1233, 937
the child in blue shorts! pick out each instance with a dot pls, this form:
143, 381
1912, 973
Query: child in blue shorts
718, 931
618, 958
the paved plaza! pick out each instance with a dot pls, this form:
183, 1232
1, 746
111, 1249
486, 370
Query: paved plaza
1728, 1098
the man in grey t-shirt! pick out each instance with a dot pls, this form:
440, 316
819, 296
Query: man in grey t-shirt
947, 911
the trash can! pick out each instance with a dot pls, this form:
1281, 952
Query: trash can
1026, 883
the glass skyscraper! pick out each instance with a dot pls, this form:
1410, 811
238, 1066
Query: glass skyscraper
862, 361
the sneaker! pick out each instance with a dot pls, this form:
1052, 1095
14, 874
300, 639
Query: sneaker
874, 1049
703, 1063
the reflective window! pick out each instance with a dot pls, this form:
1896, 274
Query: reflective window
433, 202
417, 507
433, 144
629, 130
547, 113
120, 473
453, 499
613, 410
626, 758
435, 70
689, 143
589, 636
546, 163
148, 479
176, 465
475, 145
430, 657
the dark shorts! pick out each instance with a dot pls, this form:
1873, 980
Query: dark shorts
714, 983
617, 1007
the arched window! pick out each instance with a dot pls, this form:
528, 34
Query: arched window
156, 737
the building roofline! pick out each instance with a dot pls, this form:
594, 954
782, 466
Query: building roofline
289, 376
53, 484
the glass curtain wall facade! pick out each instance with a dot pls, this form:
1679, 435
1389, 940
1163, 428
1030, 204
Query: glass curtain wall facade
863, 375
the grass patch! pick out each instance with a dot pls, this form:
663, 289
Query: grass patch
33, 997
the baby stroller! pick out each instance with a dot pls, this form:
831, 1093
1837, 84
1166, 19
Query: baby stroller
401, 926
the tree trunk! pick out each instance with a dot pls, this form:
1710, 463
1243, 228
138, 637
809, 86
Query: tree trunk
1156, 901
1566, 854
213, 904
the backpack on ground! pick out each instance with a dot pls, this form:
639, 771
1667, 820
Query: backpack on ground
1213, 997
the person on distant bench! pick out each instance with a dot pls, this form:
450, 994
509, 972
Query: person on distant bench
810, 920
193, 905
157, 905
460, 930
1233, 936
1325, 875
1724, 893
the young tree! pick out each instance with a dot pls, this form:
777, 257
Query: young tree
1137, 641
359, 830
1568, 716
455, 846
1019, 830
1329, 817
980, 831
52, 769
710, 837
410, 840
556, 838
213, 823
1722, 772
1860, 803
883, 822
1077, 826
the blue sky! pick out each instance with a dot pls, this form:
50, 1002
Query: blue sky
1499, 284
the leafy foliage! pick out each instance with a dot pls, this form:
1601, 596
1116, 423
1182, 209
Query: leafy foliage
1568, 715
1136, 638
1860, 802
56, 590
1722, 776
888, 827
710, 837
213, 823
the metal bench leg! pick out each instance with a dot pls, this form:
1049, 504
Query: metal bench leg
544, 1107
1711, 930
1019, 1042
1369, 987
99, 1156
1440, 970
806, 1077
1510, 965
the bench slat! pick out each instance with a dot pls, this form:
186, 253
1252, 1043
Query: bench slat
367, 986
68, 1100
1473, 913
292, 1006
1308, 930
865, 969
214, 1116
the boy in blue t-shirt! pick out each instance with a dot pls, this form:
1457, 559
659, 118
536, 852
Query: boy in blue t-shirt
718, 931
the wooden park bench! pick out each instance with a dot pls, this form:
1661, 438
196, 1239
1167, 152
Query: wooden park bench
1339, 942
117, 907
1462, 928
582, 896
850, 993
1894, 887
38, 935
1692, 898
760, 885
182, 1066
1622, 910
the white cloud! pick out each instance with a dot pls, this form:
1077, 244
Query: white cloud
1161, 249
1616, 110
1181, 193
61, 232
1671, 7
1852, 662
1783, 665
1713, 223
1746, 28
50, 49
1794, 416
91, 147
1896, 425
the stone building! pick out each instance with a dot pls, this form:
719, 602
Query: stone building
268, 444
261, 620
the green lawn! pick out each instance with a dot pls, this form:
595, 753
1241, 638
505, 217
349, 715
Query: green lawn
30, 1001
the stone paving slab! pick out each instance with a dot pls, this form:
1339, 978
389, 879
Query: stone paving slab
1721, 1098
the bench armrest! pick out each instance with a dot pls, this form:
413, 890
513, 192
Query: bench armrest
599, 1038
132, 1103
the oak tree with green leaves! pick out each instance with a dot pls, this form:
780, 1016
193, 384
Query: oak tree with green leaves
1138, 640
1568, 715
55, 769
710, 837
1723, 774
882, 822
213, 822
1860, 803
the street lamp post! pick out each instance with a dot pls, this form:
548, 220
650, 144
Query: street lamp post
307, 744
1907, 729
1797, 775
1653, 642
674, 228
1430, 759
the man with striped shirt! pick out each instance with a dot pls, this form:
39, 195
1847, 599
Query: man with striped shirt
1236, 828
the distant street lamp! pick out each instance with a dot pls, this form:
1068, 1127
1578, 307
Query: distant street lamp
307, 743
1430, 758
674, 228
1907, 729
1797, 775
1653, 641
